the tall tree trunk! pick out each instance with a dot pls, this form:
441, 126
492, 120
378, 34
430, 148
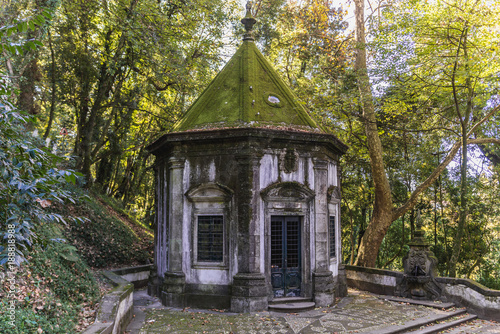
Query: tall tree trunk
382, 210
464, 122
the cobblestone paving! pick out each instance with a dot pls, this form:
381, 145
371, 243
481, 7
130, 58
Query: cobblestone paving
359, 313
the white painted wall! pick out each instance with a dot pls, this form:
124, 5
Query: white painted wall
186, 224
268, 170
371, 278
209, 276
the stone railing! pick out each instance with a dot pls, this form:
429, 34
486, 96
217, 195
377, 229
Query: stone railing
115, 311
116, 308
379, 281
464, 292
138, 275
477, 298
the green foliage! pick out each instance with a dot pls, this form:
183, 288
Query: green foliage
29, 179
69, 276
10, 40
57, 318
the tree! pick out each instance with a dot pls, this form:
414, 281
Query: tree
118, 74
384, 212
29, 178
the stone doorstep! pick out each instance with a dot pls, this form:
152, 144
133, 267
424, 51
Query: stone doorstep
447, 325
286, 300
416, 324
428, 303
292, 307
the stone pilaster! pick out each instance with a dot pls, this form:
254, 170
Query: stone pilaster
324, 288
154, 283
323, 284
173, 289
249, 291
174, 279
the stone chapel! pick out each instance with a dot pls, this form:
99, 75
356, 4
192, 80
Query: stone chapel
247, 195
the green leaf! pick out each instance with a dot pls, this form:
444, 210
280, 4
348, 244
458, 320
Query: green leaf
32, 25
47, 14
39, 19
31, 45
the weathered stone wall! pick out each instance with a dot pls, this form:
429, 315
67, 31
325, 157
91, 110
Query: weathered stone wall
243, 164
477, 298
373, 280
138, 275
464, 292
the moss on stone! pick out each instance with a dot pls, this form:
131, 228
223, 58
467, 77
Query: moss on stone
248, 92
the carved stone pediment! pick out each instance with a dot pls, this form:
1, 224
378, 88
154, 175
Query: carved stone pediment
333, 193
287, 192
209, 192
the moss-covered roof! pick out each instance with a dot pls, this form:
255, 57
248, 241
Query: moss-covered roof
248, 92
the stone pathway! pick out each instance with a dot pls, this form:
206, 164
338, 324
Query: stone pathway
360, 312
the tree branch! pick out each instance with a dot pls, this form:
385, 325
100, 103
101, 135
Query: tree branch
435, 174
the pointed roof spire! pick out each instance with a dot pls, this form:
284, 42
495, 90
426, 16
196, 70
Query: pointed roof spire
248, 21
247, 92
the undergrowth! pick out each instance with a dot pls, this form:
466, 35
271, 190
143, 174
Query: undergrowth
107, 240
56, 291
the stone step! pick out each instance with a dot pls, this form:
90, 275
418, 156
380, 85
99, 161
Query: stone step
292, 307
447, 325
417, 323
428, 303
285, 300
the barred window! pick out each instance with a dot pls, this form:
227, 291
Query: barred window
332, 236
210, 238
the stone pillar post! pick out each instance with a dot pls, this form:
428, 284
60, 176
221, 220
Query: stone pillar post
323, 284
175, 279
249, 293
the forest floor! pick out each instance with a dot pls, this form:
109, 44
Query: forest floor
360, 312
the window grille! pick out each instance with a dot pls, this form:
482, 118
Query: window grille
210, 238
276, 244
332, 236
293, 244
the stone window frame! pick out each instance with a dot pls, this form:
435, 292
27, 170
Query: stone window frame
334, 211
210, 199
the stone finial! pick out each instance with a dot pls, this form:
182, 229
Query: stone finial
248, 21
419, 234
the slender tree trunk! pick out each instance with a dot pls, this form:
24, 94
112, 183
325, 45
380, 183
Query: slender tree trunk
382, 210
53, 88
464, 122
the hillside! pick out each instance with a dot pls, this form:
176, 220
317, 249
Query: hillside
59, 288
